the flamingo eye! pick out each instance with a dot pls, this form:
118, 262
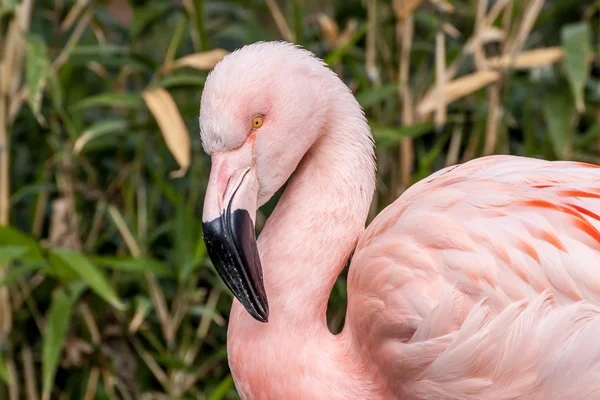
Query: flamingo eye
257, 122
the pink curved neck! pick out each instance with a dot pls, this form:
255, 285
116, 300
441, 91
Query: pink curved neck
311, 234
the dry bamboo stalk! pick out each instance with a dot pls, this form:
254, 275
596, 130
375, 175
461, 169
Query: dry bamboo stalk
529, 17
92, 386
329, 28
73, 13
13, 387
280, 21
6, 78
404, 31
451, 30
204, 324
90, 322
158, 298
10, 79
346, 35
494, 107
78, 32
491, 132
440, 70
109, 382
497, 8
405, 8
495, 11
138, 317
151, 363
454, 149
29, 370
480, 27
188, 380
371, 47
4, 164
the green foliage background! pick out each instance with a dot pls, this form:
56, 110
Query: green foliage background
106, 290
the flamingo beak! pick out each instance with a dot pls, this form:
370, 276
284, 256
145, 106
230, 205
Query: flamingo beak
228, 232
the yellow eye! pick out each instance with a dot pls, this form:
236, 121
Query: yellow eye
257, 122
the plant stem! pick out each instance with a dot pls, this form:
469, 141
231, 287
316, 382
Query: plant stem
4, 163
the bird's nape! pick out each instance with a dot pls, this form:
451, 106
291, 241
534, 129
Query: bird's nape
228, 232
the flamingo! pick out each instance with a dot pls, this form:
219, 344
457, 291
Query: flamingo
481, 281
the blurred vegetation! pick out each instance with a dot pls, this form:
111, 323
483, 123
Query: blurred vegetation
105, 288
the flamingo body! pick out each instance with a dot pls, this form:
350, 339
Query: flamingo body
479, 282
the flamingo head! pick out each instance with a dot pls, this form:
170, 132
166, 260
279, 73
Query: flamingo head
262, 108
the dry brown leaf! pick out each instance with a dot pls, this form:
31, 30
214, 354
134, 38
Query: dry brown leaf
528, 59
203, 61
171, 125
457, 89
329, 28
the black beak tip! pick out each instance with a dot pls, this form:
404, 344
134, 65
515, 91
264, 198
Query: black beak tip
260, 317
231, 246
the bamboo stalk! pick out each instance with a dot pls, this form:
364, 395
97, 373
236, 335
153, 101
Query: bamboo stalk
29, 370
480, 26
13, 387
92, 386
491, 132
440, 67
4, 163
404, 36
280, 21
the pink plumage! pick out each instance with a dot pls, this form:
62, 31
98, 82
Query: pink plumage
480, 282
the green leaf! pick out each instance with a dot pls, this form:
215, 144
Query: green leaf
99, 50
61, 270
58, 318
79, 264
12, 237
373, 95
577, 46
31, 190
182, 79
7, 7
137, 265
38, 66
4, 372
111, 99
222, 389
15, 273
9, 253
426, 158
186, 234
388, 136
557, 115
147, 14
99, 129
588, 138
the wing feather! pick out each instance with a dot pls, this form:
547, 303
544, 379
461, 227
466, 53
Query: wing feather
483, 282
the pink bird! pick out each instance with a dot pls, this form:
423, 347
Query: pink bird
481, 281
